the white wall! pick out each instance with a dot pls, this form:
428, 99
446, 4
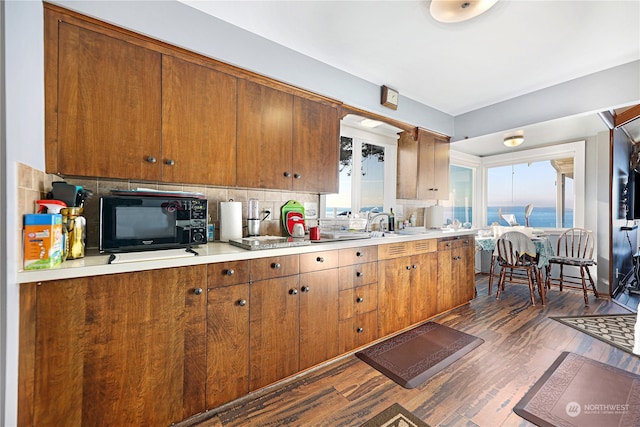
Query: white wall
24, 134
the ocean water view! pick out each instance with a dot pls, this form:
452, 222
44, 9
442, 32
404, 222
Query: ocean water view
543, 217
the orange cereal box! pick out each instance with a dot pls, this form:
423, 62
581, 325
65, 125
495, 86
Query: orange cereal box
43, 245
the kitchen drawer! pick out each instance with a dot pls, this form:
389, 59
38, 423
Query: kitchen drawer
227, 273
455, 242
318, 261
358, 331
358, 255
359, 300
400, 249
268, 268
356, 275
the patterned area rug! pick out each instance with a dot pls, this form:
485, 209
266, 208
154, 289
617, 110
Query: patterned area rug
578, 391
416, 355
395, 416
614, 329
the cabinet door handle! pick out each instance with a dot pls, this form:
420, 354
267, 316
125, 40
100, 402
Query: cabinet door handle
414, 266
287, 174
320, 259
360, 330
197, 291
305, 289
359, 299
408, 267
230, 272
297, 176
170, 162
293, 291
275, 265
242, 302
151, 159
359, 274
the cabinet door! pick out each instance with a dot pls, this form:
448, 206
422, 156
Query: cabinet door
109, 106
227, 344
407, 170
198, 124
265, 123
122, 349
315, 146
394, 295
274, 330
433, 167
424, 276
318, 317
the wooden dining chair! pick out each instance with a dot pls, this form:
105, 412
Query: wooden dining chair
516, 253
575, 249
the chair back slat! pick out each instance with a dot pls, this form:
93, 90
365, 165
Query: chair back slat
576, 243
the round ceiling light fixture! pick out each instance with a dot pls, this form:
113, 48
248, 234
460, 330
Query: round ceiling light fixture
513, 140
450, 11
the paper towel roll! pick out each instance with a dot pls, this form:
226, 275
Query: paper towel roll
230, 221
433, 216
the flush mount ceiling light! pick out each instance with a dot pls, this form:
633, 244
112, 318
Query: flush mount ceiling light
450, 11
513, 141
368, 123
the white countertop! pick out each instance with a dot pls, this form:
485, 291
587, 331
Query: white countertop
95, 264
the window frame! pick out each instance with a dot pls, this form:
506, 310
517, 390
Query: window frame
576, 150
380, 137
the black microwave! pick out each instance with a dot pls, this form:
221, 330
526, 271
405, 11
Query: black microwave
138, 223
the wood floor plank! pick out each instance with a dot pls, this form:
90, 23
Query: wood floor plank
480, 389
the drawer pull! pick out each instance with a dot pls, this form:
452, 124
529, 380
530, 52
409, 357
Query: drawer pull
297, 176
408, 267
197, 291
359, 274
230, 272
360, 330
170, 162
151, 159
320, 259
276, 265
287, 174
293, 291
305, 289
359, 254
242, 302
415, 266
359, 299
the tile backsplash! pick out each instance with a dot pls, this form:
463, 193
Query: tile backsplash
34, 185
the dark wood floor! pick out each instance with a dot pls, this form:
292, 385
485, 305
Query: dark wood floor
480, 389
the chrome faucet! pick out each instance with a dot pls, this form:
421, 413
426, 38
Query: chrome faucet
370, 219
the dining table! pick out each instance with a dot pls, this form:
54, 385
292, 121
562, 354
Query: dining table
544, 252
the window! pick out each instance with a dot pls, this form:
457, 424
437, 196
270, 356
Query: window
552, 179
367, 173
538, 184
460, 203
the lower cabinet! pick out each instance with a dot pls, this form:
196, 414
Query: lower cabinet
456, 271
121, 349
159, 346
407, 287
227, 332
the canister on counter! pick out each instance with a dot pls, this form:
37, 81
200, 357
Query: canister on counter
76, 226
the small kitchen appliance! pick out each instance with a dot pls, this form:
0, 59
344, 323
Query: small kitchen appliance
253, 218
138, 223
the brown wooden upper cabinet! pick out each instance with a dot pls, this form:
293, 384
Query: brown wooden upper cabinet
104, 105
285, 141
198, 123
423, 167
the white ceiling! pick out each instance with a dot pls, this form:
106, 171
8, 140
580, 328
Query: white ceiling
515, 48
